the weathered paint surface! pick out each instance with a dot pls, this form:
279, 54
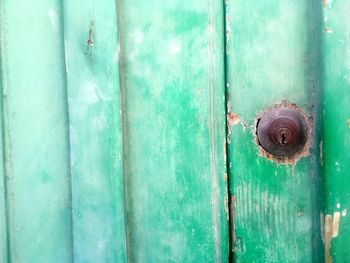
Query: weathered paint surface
35, 132
114, 132
336, 154
92, 68
272, 55
172, 68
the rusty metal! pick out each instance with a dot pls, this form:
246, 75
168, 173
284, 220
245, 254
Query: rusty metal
282, 131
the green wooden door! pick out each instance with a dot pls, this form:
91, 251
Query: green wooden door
128, 131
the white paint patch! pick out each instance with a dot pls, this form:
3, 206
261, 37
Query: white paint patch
89, 95
175, 47
343, 213
337, 166
338, 205
116, 55
137, 36
53, 19
330, 3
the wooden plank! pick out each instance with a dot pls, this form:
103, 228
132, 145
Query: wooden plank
174, 130
3, 214
35, 131
272, 50
336, 155
95, 130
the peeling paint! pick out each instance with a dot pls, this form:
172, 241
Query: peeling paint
343, 213
233, 118
331, 230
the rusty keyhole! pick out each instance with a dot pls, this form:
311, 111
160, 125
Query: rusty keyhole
282, 131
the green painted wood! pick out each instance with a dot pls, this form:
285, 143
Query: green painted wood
174, 130
113, 131
272, 55
3, 215
91, 43
35, 132
336, 155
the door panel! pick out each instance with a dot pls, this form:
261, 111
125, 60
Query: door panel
91, 44
172, 73
114, 132
129, 131
272, 59
336, 141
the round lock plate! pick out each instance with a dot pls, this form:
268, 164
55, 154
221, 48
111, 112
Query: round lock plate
282, 131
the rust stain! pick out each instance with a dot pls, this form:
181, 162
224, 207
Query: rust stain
331, 230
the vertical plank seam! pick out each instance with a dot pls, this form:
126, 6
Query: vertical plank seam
62, 11
230, 198
123, 127
5, 147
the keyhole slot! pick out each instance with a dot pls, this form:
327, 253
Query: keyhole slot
283, 140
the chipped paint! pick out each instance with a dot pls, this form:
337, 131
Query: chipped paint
343, 213
348, 123
233, 118
331, 230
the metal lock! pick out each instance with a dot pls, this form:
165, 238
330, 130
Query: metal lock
282, 132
